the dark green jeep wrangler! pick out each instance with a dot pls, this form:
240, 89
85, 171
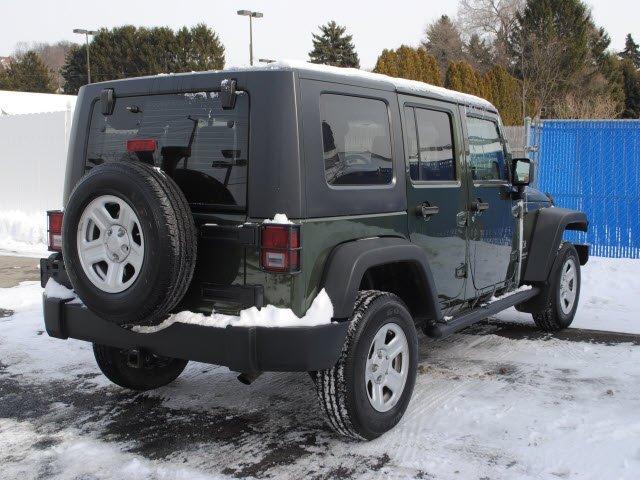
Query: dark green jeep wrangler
296, 218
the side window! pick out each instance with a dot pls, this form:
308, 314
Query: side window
435, 146
487, 156
412, 142
356, 140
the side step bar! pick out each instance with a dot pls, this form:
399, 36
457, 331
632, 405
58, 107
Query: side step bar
466, 319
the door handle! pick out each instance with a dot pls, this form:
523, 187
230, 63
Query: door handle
479, 206
426, 210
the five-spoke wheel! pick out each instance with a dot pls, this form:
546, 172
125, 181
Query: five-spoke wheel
387, 367
366, 393
561, 295
110, 243
568, 285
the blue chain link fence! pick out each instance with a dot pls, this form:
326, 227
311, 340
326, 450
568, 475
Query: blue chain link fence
594, 166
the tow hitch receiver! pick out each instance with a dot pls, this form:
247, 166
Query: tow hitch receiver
135, 358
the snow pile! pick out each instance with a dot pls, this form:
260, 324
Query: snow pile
54, 290
278, 219
25, 296
23, 233
19, 103
319, 313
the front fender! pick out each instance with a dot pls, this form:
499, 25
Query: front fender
349, 261
550, 224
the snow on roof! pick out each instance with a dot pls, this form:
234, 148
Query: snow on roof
17, 103
400, 84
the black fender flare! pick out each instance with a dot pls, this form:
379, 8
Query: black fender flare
349, 261
550, 224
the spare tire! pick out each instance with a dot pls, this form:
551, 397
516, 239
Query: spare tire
129, 242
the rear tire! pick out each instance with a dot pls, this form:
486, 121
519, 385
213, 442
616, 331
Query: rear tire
564, 292
347, 392
155, 371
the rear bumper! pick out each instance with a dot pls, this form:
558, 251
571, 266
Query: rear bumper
242, 349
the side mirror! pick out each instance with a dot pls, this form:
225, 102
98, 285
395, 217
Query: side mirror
520, 172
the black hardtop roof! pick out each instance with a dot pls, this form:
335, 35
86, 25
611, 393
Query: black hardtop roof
191, 81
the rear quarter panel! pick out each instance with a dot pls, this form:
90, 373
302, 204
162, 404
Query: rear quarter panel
319, 237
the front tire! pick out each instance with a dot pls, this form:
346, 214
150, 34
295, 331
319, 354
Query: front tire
368, 390
154, 371
564, 294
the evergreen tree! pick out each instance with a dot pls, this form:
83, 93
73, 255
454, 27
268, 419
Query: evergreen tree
429, 69
631, 90
74, 70
631, 51
461, 77
555, 49
129, 51
479, 53
444, 42
409, 63
602, 72
334, 47
387, 64
27, 73
505, 92
199, 49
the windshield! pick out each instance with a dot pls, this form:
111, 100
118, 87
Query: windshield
203, 147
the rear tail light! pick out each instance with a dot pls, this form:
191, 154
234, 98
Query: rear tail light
280, 248
141, 145
54, 229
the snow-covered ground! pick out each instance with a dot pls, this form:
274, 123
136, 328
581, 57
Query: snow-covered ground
609, 297
498, 401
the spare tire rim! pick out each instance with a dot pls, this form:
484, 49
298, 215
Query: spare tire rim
387, 367
568, 286
110, 244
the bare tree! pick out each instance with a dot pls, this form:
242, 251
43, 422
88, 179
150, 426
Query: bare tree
592, 107
540, 65
493, 20
492, 17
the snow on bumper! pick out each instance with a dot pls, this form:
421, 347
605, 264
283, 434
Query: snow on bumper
241, 348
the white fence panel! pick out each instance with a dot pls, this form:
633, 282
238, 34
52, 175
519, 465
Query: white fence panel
33, 157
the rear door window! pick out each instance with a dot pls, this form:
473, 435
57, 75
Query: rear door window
356, 139
201, 146
431, 150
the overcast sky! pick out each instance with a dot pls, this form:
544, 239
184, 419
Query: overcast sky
284, 32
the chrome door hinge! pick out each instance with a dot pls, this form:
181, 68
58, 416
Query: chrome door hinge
462, 218
461, 271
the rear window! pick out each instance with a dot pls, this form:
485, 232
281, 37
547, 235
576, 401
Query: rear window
356, 140
201, 146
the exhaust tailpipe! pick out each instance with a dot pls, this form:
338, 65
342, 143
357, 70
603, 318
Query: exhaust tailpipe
248, 377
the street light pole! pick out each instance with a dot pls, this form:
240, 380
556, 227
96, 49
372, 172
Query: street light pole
250, 40
251, 15
86, 34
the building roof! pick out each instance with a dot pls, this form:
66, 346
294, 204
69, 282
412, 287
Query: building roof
16, 103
